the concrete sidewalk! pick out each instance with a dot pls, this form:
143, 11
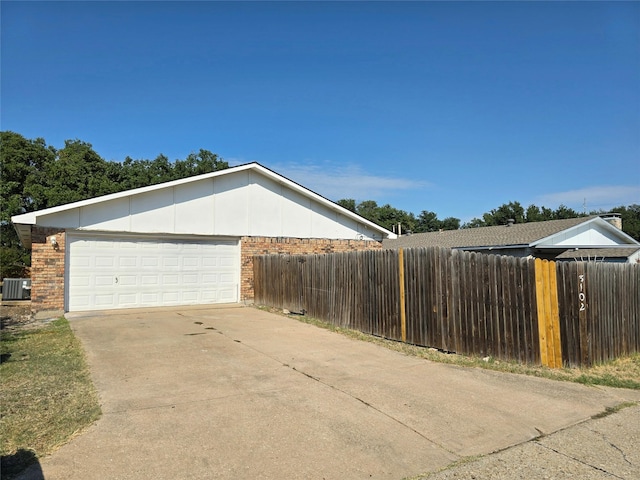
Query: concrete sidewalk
598, 449
236, 392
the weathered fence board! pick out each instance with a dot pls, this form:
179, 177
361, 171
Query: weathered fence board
468, 303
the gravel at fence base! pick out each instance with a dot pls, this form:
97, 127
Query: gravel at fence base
603, 448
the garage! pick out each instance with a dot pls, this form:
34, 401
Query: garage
126, 271
184, 242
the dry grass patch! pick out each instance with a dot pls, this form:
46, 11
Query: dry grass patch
620, 373
47, 394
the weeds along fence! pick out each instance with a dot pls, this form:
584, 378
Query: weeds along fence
531, 311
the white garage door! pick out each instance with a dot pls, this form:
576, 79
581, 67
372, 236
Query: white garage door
107, 272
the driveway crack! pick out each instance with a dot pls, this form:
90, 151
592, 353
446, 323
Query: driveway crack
578, 460
614, 446
364, 402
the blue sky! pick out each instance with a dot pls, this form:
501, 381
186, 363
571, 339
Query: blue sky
450, 107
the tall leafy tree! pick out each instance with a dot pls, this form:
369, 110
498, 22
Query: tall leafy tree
37, 176
390, 217
20, 160
630, 216
537, 214
504, 213
369, 209
348, 203
563, 212
77, 172
450, 223
197, 164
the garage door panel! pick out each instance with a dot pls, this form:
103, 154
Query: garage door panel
104, 262
127, 261
151, 262
170, 298
110, 272
170, 279
190, 262
128, 280
170, 262
102, 280
106, 301
127, 300
189, 279
149, 280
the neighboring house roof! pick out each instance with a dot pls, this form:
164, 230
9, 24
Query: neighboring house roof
599, 253
108, 207
556, 234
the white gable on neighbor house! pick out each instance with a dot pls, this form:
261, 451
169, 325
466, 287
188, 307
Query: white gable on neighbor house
249, 200
592, 233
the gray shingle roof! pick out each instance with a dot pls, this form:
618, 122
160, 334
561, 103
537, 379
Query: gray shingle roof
502, 235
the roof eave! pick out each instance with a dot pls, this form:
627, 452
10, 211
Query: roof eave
597, 220
31, 218
493, 247
586, 247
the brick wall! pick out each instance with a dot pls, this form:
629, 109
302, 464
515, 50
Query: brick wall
48, 262
47, 269
250, 246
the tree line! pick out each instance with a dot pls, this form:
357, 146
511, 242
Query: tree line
427, 221
36, 176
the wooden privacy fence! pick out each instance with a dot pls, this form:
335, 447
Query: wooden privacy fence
524, 309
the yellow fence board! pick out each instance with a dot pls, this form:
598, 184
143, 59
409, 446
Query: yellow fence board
548, 313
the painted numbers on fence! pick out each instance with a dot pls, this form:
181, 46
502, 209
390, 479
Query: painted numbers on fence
582, 296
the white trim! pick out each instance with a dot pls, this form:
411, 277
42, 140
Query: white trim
32, 218
598, 221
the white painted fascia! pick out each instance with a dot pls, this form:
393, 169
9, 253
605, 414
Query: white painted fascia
630, 241
31, 218
320, 199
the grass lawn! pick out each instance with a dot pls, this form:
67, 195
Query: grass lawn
621, 373
47, 394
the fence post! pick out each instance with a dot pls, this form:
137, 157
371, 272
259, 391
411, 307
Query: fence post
548, 313
403, 313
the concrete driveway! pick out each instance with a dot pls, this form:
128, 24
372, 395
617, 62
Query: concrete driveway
235, 392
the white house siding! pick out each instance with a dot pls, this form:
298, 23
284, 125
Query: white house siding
589, 234
257, 209
241, 203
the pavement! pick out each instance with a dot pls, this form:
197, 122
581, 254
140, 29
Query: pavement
234, 392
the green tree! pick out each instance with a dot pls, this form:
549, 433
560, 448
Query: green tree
450, 223
429, 222
389, 217
630, 216
197, 164
504, 213
474, 223
37, 176
348, 203
369, 210
20, 161
76, 173
537, 214
563, 212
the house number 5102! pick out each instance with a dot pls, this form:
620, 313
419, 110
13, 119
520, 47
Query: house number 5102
581, 294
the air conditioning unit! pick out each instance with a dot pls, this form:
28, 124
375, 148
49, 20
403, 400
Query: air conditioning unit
16, 289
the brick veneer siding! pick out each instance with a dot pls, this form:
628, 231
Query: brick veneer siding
250, 246
48, 263
47, 269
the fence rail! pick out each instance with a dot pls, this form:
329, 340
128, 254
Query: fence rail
532, 311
